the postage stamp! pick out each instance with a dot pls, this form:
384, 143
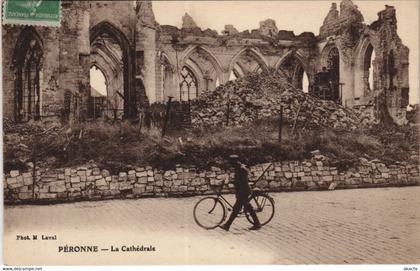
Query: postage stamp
32, 12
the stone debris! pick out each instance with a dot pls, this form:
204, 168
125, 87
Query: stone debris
261, 96
19, 140
268, 28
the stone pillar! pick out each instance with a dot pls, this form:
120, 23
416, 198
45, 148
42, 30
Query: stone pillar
149, 67
347, 79
146, 50
225, 76
74, 59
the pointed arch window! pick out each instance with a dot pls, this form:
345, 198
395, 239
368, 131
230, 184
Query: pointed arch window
28, 76
368, 69
188, 85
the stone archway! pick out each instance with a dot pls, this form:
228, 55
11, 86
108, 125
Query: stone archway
249, 60
292, 67
205, 67
327, 82
98, 100
27, 62
366, 70
188, 86
333, 67
111, 44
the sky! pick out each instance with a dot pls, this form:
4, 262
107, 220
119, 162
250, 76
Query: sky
98, 81
298, 16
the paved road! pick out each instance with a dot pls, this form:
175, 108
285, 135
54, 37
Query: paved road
332, 227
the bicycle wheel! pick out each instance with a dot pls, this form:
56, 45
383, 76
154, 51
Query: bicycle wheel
263, 206
209, 212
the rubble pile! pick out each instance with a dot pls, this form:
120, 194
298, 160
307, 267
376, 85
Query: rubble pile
260, 96
24, 142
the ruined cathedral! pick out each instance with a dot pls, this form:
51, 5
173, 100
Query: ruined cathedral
46, 70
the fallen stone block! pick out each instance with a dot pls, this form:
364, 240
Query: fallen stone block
57, 187
14, 173
75, 179
101, 182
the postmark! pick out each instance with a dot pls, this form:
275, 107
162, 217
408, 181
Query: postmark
32, 12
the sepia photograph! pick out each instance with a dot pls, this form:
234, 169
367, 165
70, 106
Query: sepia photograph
210, 133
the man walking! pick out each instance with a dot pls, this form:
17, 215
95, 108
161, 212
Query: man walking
242, 192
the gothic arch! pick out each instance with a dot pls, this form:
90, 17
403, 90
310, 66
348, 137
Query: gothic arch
331, 58
164, 57
365, 52
325, 53
205, 65
292, 65
211, 57
296, 54
254, 53
27, 65
107, 63
198, 74
27, 34
103, 70
107, 28
188, 86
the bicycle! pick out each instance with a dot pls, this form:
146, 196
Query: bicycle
211, 211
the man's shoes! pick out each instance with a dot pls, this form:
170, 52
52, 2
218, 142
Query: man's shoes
225, 227
255, 227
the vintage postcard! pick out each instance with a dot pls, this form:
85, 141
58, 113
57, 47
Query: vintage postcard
210, 132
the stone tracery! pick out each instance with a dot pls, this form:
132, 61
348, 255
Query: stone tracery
28, 64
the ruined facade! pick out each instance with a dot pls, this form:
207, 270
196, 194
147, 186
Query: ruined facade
46, 69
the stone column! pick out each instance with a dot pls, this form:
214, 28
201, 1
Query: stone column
74, 58
146, 49
347, 79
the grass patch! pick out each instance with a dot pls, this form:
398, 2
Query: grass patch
122, 146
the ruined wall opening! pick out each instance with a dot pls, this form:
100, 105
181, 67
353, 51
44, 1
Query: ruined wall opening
98, 93
110, 51
305, 82
366, 71
333, 68
27, 61
292, 68
245, 62
368, 68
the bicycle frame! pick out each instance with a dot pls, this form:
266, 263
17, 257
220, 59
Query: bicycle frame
229, 206
259, 197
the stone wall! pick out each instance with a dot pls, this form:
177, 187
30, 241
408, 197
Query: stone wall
89, 182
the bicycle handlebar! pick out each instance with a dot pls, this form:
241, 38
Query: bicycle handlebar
259, 178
